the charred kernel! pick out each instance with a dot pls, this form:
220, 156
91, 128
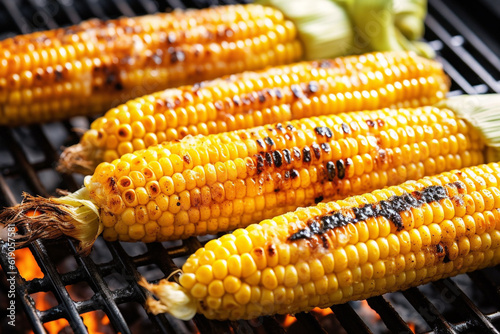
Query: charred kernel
326, 147
323, 131
297, 91
269, 159
286, 156
331, 170
269, 141
346, 128
340, 169
296, 153
277, 158
316, 149
313, 87
318, 199
306, 151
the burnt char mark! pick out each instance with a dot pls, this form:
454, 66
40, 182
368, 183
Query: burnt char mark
279, 93
340, 169
346, 128
297, 92
296, 153
318, 199
287, 174
390, 209
294, 174
269, 159
269, 141
324, 131
313, 87
260, 163
306, 152
261, 97
271, 250
326, 147
277, 158
324, 241
290, 127
287, 156
370, 123
446, 257
186, 158
112, 185
316, 149
330, 168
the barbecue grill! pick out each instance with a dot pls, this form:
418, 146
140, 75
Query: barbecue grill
465, 41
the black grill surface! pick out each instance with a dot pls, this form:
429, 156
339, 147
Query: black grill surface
464, 35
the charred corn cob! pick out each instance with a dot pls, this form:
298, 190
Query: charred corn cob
371, 81
215, 183
91, 67
95, 65
366, 245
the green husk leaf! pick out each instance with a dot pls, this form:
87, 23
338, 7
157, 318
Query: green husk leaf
409, 17
324, 27
483, 113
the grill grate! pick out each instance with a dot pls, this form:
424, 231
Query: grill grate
28, 155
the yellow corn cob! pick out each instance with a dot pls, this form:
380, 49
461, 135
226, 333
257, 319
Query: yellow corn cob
95, 65
387, 240
216, 183
372, 81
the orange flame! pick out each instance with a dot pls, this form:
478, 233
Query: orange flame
289, 320
44, 301
26, 264
323, 312
412, 326
366, 307
96, 321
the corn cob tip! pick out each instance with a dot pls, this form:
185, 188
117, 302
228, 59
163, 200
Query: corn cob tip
483, 113
72, 215
76, 159
173, 299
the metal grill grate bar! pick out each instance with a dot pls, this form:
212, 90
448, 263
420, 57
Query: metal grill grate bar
428, 311
389, 315
468, 34
105, 297
464, 305
462, 53
349, 319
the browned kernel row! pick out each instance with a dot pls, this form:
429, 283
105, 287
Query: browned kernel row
387, 240
209, 184
251, 99
98, 64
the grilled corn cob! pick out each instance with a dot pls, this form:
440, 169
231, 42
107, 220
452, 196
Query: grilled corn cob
95, 65
215, 183
387, 240
371, 81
